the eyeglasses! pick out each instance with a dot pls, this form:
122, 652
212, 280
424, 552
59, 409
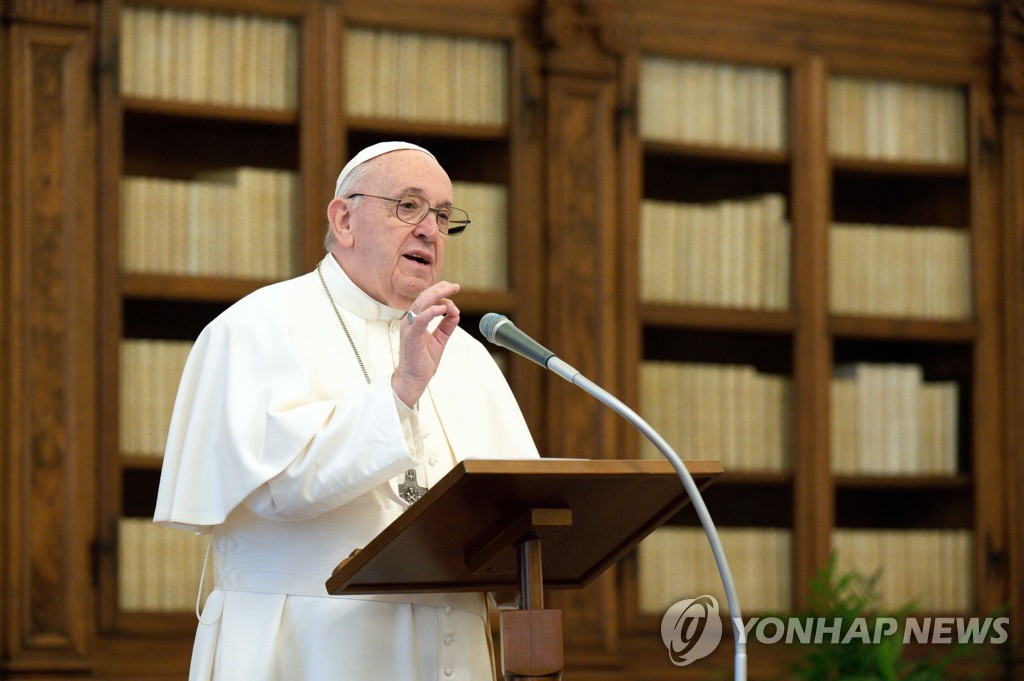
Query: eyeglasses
411, 209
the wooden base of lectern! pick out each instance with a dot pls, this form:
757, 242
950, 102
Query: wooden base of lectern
531, 637
531, 645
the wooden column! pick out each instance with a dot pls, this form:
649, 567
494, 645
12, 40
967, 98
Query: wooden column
1011, 92
48, 288
583, 241
814, 493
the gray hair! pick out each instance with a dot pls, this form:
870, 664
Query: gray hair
349, 185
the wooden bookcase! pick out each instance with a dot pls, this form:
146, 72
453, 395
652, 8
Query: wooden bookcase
572, 155
158, 134
906, 192
808, 340
147, 136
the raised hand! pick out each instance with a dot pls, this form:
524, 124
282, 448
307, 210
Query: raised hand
420, 349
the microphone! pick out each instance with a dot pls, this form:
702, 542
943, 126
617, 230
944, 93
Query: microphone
498, 329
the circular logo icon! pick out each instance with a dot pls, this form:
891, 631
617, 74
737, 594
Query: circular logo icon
691, 629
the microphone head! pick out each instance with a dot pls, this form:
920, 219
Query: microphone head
489, 324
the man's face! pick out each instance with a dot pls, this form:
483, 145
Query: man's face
392, 261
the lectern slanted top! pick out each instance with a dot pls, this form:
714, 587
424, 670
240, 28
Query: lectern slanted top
462, 535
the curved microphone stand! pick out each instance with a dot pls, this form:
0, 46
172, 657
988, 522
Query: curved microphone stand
739, 635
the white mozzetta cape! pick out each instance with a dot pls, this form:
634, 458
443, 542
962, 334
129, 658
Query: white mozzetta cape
279, 447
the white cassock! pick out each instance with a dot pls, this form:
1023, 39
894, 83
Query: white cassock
280, 448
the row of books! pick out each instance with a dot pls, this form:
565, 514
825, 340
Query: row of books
239, 222
896, 120
886, 419
243, 60
731, 413
929, 569
732, 253
478, 258
933, 569
715, 104
885, 270
149, 377
674, 563
159, 567
150, 372
426, 77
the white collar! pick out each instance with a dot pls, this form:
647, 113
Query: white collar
353, 298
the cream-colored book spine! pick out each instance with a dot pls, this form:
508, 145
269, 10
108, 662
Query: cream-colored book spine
910, 384
199, 50
464, 66
241, 81
843, 423
406, 102
747, 453
494, 83
129, 564
178, 227
838, 115
147, 27
685, 125
727, 408
682, 249
129, 57
438, 94
292, 84
726, 113
778, 251
778, 121
159, 245
130, 223
731, 254
756, 420
754, 216
360, 59
130, 366
657, 98
168, 35
222, 55
651, 403
387, 75
289, 193
648, 254
183, 89
259, 67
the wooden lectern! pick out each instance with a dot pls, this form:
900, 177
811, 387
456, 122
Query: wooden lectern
482, 526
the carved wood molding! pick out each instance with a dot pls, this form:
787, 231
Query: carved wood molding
586, 38
49, 278
1011, 57
62, 12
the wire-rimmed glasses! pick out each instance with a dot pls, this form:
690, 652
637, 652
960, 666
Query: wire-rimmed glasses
411, 209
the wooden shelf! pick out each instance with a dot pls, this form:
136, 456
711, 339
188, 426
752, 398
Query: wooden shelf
144, 462
915, 330
187, 288
755, 479
717, 318
212, 112
714, 152
869, 166
897, 482
385, 126
173, 287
